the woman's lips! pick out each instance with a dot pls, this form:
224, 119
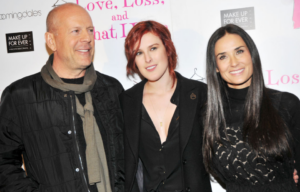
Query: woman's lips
151, 68
237, 72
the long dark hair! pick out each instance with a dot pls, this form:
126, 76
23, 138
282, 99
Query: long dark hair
263, 129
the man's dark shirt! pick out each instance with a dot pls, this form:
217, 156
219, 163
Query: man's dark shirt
161, 162
79, 131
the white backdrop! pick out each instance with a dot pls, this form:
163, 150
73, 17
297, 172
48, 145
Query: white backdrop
191, 23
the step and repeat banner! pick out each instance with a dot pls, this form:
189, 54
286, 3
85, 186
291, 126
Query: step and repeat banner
273, 24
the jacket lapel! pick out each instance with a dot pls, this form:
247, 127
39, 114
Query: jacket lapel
132, 115
188, 107
133, 105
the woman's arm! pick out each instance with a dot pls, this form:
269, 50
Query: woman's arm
292, 105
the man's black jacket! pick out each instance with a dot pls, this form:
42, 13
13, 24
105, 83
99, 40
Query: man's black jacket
38, 122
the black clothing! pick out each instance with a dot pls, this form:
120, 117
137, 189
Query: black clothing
192, 96
41, 123
238, 166
81, 97
73, 81
161, 161
79, 130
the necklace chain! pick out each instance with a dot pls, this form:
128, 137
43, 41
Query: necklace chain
160, 121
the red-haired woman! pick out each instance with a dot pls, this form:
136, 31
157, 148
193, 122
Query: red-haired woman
163, 130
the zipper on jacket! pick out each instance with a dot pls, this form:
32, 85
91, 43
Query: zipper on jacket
74, 130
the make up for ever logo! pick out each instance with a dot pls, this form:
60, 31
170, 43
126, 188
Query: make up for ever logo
19, 42
243, 17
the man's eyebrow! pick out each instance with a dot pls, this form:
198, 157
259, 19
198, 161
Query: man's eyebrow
77, 27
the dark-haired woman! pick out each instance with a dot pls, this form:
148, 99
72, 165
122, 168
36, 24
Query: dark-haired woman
163, 149
252, 133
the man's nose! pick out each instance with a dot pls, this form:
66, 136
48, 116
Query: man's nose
86, 36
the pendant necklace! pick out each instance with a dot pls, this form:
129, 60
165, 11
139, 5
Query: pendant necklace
160, 121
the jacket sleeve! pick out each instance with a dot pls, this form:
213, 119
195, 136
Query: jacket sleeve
290, 109
295, 131
12, 177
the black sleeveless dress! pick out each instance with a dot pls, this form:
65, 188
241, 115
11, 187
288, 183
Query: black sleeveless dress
242, 170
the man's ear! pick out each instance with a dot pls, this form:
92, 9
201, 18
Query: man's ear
50, 41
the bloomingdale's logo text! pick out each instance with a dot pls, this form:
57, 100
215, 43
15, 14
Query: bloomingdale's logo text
20, 15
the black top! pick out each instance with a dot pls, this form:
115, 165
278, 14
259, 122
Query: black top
79, 131
192, 96
238, 166
161, 162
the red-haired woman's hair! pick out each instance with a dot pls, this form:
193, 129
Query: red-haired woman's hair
135, 35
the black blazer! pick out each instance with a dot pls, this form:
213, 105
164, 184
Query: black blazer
192, 100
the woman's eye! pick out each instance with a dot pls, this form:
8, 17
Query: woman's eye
240, 51
138, 53
153, 48
222, 57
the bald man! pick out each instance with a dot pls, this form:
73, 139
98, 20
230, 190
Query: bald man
66, 120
